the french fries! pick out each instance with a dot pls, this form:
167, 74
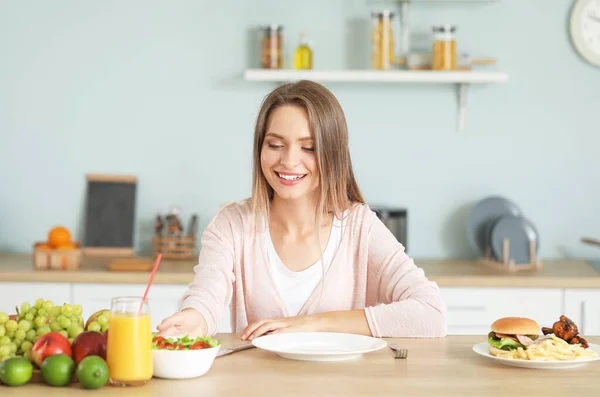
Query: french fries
551, 349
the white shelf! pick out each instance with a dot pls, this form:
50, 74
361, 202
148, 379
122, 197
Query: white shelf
375, 76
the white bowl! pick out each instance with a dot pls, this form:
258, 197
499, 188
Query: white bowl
183, 364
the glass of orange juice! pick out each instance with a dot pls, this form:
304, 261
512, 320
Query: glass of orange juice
129, 344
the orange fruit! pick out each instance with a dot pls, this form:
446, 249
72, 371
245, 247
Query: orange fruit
67, 246
58, 236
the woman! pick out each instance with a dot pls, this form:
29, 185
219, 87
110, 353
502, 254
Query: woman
305, 253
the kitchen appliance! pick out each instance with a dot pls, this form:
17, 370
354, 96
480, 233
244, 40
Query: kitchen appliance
396, 220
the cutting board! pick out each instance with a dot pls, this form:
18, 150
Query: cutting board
130, 265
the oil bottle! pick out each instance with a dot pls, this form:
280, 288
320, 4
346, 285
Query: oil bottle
303, 54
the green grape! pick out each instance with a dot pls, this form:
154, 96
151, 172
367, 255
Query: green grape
2, 330
55, 326
29, 317
17, 342
43, 313
20, 334
39, 303
43, 330
48, 305
20, 316
25, 306
67, 310
64, 333
60, 318
74, 330
30, 335
11, 325
76, 320
27, 355
71, 340
39, 321
104, 327
3, 318
4, 351
4, 340
103, 319
94, 326
13, 348
33, 311
24, 325
56, 311
64, 322
78, 310
10, 334
26, 346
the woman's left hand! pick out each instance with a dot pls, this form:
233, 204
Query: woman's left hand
308, 323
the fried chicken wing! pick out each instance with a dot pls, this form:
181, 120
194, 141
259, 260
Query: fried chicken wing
578, 339
546, 330
565, 328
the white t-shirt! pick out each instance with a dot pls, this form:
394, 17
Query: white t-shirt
296, 287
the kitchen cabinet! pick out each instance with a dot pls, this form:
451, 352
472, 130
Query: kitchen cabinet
471, 311
583, 307
13, 293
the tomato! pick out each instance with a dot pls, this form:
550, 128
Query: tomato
199, 345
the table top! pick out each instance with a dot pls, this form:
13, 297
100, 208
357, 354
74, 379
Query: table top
571, 273
434, 367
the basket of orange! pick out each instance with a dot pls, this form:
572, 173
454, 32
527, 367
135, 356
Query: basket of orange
59, 252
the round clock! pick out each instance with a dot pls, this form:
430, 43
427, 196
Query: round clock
585, 29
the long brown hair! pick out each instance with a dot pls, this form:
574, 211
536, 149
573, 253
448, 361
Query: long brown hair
337, 185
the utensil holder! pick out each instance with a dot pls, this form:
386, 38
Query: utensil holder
183, 247
45, 258
507, 264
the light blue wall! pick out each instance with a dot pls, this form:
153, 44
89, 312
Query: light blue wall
154, 88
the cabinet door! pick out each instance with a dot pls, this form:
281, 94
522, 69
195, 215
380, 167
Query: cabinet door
583, 307
471, 311
163, 299
14, 293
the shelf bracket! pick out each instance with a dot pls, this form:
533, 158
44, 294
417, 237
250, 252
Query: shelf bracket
463, 89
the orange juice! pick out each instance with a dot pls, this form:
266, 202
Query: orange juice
129, 348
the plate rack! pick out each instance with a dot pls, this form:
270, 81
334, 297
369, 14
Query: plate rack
507, 264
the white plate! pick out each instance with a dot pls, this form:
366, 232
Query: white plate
482, 349
319, 346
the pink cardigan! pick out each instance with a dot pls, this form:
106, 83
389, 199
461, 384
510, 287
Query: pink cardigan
370, 271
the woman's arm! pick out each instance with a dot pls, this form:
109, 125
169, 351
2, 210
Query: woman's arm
412, 305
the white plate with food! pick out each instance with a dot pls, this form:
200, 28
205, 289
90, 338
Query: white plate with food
515, 341
319, 346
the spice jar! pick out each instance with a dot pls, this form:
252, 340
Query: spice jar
444, 47
271, 47
382, 40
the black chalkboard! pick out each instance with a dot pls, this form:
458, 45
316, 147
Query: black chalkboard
110, 214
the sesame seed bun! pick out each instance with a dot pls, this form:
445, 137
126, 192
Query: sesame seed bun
516, 326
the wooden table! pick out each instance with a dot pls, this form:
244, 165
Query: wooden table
434, 367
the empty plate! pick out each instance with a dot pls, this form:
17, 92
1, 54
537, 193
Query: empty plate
518, 231
483, 214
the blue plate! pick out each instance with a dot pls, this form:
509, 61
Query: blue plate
482, 215
519, 231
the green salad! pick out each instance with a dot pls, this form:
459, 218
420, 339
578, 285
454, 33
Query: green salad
185, 343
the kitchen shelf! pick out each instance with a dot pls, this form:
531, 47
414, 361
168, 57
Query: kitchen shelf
462, 79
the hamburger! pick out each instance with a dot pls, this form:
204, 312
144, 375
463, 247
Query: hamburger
510, 333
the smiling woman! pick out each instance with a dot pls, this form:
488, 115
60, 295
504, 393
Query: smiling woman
304, 252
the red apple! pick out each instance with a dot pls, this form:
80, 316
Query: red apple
88, 343
48, 345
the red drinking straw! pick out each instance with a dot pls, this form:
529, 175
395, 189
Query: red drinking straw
156, 264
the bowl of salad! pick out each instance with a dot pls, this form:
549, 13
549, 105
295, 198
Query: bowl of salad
183, 358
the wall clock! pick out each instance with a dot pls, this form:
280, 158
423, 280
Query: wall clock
585, 29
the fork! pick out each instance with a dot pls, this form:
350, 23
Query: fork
400, 353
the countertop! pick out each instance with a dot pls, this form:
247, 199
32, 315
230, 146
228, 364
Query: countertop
447, 273
434, 367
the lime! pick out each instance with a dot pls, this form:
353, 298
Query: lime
15, 371
92, 372
57, 370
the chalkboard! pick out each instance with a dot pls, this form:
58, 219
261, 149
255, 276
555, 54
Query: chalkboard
110, 215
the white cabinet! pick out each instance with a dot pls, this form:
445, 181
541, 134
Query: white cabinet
471, 311
163, 299
12, 294
583, 307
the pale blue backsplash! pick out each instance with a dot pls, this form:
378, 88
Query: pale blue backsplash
154, 88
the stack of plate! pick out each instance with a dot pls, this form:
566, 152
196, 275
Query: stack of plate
494, 219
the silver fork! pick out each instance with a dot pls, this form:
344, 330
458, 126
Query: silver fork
400, 353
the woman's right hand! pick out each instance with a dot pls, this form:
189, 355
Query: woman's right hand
186, 322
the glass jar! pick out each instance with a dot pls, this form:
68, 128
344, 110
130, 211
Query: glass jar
129, 342
382, 40
271, 47
444, 47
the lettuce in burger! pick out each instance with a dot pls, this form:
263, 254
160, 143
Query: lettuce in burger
510, 333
